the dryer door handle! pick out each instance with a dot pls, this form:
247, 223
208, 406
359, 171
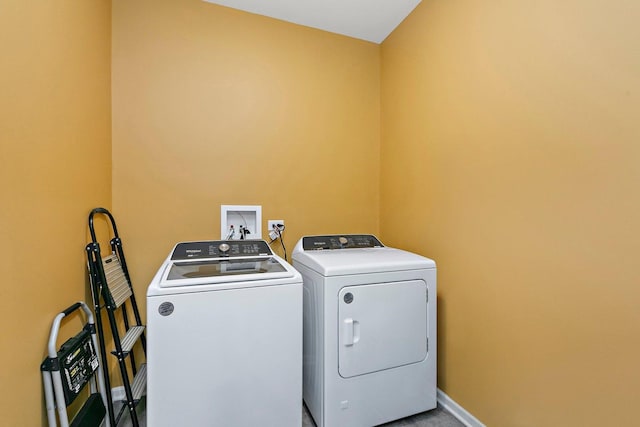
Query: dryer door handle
351, 332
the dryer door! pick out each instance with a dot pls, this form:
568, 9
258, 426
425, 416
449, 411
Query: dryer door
381, 326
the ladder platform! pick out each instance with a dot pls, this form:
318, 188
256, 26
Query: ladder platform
117, 282
139, 386
130, 339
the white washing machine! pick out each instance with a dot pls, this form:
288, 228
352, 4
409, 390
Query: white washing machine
224, 337
369, 341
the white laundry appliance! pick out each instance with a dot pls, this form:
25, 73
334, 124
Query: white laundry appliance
224, 337
369, 341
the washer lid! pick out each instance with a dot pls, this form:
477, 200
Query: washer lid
211, 271
221, 262
353, 260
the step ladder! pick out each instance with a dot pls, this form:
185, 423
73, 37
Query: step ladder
112, 292
67, 370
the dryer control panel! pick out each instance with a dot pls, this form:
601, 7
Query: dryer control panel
221, 249
340, 241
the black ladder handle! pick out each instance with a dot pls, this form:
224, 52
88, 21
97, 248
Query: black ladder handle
55, 329
108, 214
67, 311
85, 308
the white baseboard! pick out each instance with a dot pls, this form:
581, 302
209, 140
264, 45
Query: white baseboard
458, 411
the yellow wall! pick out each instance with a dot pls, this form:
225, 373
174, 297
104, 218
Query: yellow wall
510, 154
55, 157
214, 106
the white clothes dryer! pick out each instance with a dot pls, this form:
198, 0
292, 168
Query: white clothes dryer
369, 321
224, 337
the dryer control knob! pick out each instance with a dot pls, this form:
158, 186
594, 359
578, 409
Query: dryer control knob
343, 240
224, 248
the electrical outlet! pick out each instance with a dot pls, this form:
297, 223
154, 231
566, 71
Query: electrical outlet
271, 224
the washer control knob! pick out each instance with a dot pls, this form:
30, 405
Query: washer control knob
224, 248
343, 240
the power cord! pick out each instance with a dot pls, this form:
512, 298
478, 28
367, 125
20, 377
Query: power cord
277, 230
282, 242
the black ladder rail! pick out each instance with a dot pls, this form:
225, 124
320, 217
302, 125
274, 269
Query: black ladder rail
93, 251
100, 281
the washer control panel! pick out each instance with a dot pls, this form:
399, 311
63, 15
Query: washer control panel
221, 249
340, 241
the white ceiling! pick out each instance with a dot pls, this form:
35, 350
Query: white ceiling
371, 20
